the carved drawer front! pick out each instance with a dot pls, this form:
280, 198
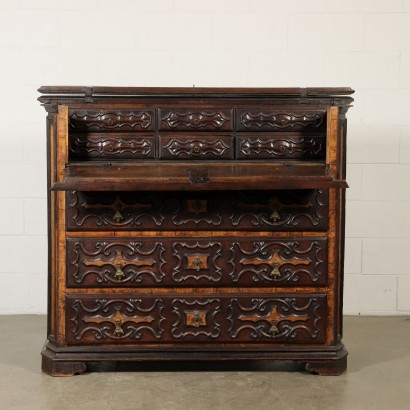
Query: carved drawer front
280, 119
111, 146
198, 119
141, 262
114, 120
232, 319
279, 210
196, 147
281, 146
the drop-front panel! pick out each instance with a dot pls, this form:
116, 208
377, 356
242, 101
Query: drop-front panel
195, 224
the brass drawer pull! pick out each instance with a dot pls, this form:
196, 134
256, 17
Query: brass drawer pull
118, 329
275, 271
197, 264
274, 216
119, 274
274, 328
118, 216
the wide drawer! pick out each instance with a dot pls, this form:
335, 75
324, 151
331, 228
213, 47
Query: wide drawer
115, 120
198, 119
196, 147
131, 319
139, 262
111, 146
278, 210
281, 146
280, 119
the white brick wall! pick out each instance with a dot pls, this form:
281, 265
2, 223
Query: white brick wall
364, 44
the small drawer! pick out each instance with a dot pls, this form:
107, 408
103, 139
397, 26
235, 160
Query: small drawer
277, 210
131, 319
111, 120
111, 146
281, 146
285, 119
199, 119
201, 262
196, 147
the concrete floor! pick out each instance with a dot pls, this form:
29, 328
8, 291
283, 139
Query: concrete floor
378, 377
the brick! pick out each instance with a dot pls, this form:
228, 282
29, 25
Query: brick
336, 32
34, 142
301, 6
378, 182
354, 179
371, 144
403, 293
24, 254
365, 5
353, 255
369, 219
385, 256
405, 145
283, 67
23, 179
37, 293
352, 68
211, 6
11, 216
388, 31
404, 219
35, 216
404, 78
13, 293
28, 28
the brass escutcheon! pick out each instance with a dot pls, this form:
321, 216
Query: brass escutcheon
197, 263
275, 271
118, 216
196, 319
119, 274
274, 328
118, 330
274, 216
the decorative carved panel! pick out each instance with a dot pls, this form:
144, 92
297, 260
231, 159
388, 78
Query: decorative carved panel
114, 320
299, 261
196, 147
196, 318
179, 119
111, 146
108, 262
281, 209
281, 147
124, 120
291, 120
288, 210
301, 319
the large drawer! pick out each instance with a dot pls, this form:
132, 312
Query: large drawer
282, 318
139, 262
279, 210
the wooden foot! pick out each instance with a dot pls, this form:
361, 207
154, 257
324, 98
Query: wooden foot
327, 368
62, 368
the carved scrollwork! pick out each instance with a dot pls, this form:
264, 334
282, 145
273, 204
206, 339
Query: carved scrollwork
110, 120
184, 309
114, 263
116, 319
296, 147
197, 261
284, 261
196, 147
288, 209
277, 318
197, 120
111, 146
282, 120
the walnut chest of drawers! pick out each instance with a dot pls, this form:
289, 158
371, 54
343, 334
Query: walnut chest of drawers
195, 224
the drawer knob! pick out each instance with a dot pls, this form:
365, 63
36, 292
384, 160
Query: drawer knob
118, 216
275, 271
119, 274
273, 328
118, 329
197, 263
274, 216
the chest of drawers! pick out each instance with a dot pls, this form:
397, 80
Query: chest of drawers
195, 224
